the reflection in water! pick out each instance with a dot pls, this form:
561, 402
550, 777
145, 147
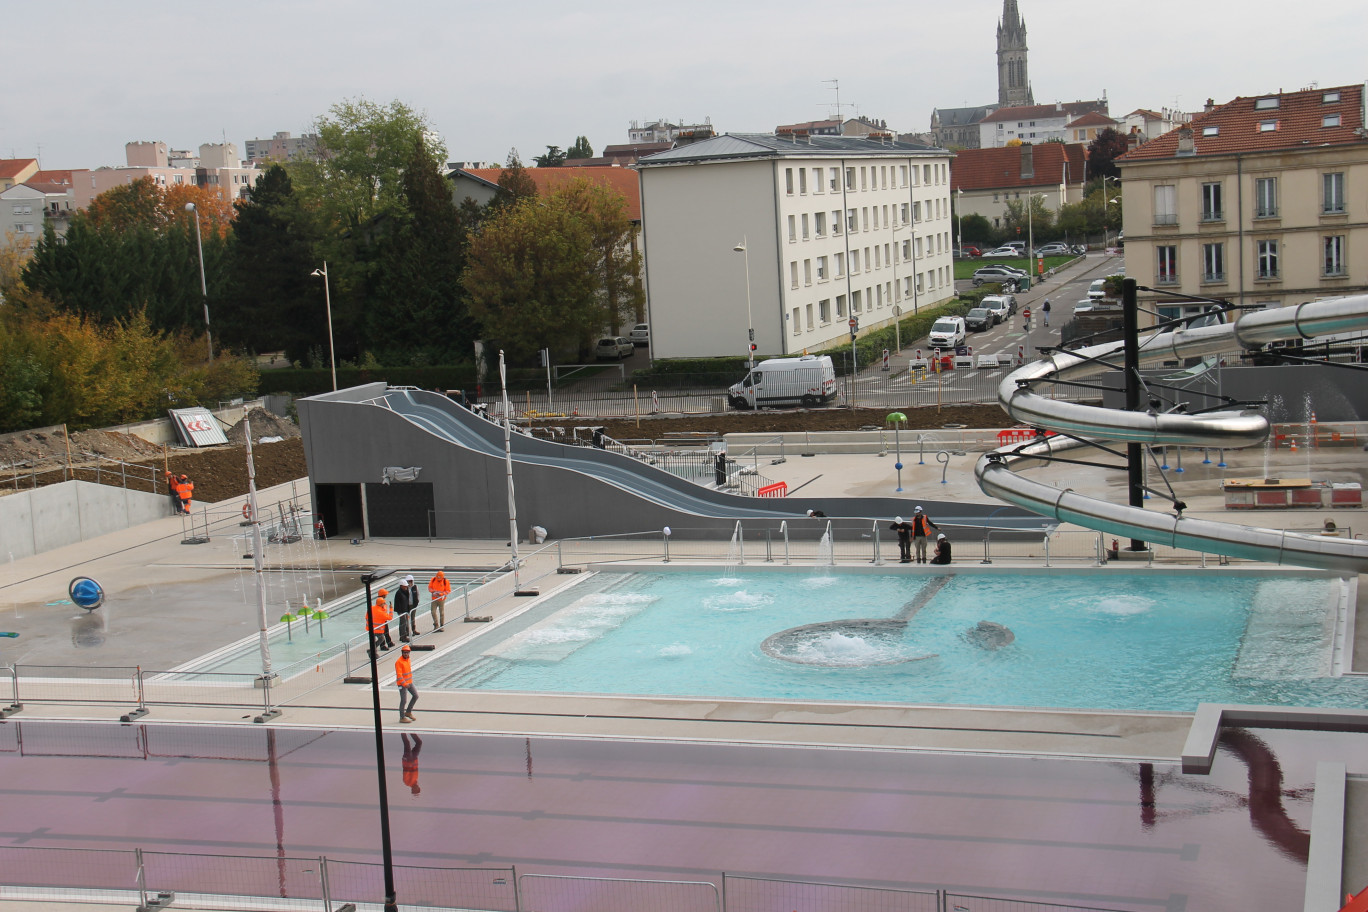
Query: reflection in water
88, 631
409, 763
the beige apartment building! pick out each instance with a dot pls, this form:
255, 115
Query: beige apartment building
833, 228
1262, 202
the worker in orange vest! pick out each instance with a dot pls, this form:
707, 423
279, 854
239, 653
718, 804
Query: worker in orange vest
403, 679
410, 761
183, 488
379, 620
439, 587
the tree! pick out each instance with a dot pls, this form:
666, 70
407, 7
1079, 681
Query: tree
144, 204
553, 158
580, 149
272, 301
615, 262
975, 228
418, 276
1039, 223
527, 278
363, 150
514, 183
1103, 152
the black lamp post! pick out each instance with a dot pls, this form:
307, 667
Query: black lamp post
386, 853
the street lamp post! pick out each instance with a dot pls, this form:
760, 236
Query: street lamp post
959, 216
743, 249
327, 298
1030, 229
897, 293
204, 286
1105, 201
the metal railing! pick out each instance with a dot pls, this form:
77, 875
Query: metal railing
136, 688
153, 880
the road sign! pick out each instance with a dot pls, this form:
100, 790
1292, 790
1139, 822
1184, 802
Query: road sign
854, 322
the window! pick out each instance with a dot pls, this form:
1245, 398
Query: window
902, 213
1268, 259
864, 217
1166, 264
1265, 104
1333, 197
793, 228
1330, 97
1334, 256
821, 269
840, 307
907, 250
852, 222
805, 226
1166, 205
1213, 262
835, 181
788, 181
1267, 126
809, 317
793, 273
824, 310
807, 272
802, 180
878, 257
926, 174
916, 211
855, 301
836, 222
1330, 120
839, 263
902, 175
876, 217
796, 328
1211, 203
864, 178
1211, 131
850, 178
855, 261
1266, 197
819, 224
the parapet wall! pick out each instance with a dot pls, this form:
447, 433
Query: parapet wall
32, 522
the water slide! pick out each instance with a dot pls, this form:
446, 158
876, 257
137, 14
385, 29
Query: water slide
1229, 429
448, 421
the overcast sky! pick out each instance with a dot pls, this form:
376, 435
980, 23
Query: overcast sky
85, 76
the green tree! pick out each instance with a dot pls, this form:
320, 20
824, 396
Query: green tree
273, 302
364, 148
527, 278
514, 183
419, 275
553, 158
580, 149
615, 262
1040, 223
975, 229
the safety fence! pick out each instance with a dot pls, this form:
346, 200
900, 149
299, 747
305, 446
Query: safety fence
133, 687
154, 880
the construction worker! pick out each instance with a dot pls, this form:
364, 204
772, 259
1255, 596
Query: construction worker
403, 679
439, 587
182, 488
410, 762
379, 620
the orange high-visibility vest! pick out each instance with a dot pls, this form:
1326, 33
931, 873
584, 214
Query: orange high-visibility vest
380, 615
439, 586
403, 672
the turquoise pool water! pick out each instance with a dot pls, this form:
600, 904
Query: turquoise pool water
1141, 641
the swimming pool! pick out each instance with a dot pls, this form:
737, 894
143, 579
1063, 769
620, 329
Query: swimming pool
1109, 640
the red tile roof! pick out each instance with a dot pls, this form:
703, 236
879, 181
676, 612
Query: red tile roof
623, 180
1298, 122
1093, 119
51, 177
987, 169
1042, 112
13, 167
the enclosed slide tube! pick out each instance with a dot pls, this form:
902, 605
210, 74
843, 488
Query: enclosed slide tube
1214, 429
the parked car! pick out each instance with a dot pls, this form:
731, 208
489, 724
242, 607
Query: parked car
1098, 289
640, 334
613, 348
1053, 250
979, 319
1019, 246
947, 332
996, 273
971, 251
998, 305
1003, 252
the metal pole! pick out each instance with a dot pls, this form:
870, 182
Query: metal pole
744, 249
508, 471
327, 299
257, 563
1134, 451
387, 854
204, 286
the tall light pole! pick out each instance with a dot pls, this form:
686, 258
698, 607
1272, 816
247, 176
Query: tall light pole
327, 298
742, 249
1030, 230
386, 853
897, 293
959, 216
204, 286
1105, 178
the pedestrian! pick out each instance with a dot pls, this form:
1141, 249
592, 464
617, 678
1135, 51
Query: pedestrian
181, 491
403, 679
439, 587
404, 603
921, 528
598, 439
1045, 310
379, 623
816, 514
410, 762
720, 469
942, 550
904, 530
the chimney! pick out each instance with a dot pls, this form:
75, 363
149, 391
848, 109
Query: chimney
1027, 161
1209, 106
1186, 146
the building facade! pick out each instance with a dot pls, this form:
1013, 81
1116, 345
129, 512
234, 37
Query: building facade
984, 181
281, 147
16, 171
1035, 123
833, 228
1260, 201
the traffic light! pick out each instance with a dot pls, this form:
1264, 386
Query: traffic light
752, 347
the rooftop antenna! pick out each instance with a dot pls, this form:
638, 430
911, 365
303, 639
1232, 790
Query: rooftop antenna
836, 85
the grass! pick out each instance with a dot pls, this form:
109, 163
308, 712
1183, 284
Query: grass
965, 268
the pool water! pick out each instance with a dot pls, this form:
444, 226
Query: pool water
1143, 641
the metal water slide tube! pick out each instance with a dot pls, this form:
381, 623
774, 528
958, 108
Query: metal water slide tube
1228, 429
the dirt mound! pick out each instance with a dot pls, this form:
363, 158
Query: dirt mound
264, 424
49, 447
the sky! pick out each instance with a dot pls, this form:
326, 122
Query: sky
87, 76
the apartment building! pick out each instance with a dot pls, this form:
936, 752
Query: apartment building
1260, 201
984, 181
832, 229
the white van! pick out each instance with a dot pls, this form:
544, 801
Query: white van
809, 380
947, 332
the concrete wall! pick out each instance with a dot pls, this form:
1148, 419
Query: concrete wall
32, 522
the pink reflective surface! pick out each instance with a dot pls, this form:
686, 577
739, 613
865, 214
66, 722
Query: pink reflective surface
1117, 835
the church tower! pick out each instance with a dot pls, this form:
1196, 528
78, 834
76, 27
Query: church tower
1014, 85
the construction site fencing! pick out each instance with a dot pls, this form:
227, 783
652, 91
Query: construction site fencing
153, 880
136, 688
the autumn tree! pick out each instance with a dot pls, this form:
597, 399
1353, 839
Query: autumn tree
579, 149
616, 262
144, 204
1103, 152
527, 279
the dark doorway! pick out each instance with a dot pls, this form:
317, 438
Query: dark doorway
399, 510
339, 506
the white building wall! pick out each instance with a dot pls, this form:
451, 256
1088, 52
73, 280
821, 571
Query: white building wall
806, 283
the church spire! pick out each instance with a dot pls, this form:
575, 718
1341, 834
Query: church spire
1014, 84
